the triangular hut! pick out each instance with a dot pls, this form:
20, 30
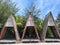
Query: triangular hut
10, 23
49, 22
30, 23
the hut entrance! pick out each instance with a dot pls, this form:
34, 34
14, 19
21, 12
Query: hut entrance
51, 35
9, 34
51, 32
30, 33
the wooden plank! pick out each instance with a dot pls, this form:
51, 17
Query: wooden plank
50, 22
22, 40
30, 21
52, 40
9, 22
30, 40
7, 41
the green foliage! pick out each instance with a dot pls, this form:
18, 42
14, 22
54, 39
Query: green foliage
58, 21
7, 8
19, 20
50, 33
39, 25
20, 23
58, 18
33, 10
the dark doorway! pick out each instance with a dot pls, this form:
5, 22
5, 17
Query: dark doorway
30, 33
51, 32
9, 34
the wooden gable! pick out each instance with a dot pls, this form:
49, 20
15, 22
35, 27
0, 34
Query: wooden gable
50, 22
9, 22
30, 21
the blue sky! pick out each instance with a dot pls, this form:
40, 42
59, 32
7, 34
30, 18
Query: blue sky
44, 5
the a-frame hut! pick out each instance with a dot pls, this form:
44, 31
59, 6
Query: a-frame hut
10, 23
30, 23
49, 22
